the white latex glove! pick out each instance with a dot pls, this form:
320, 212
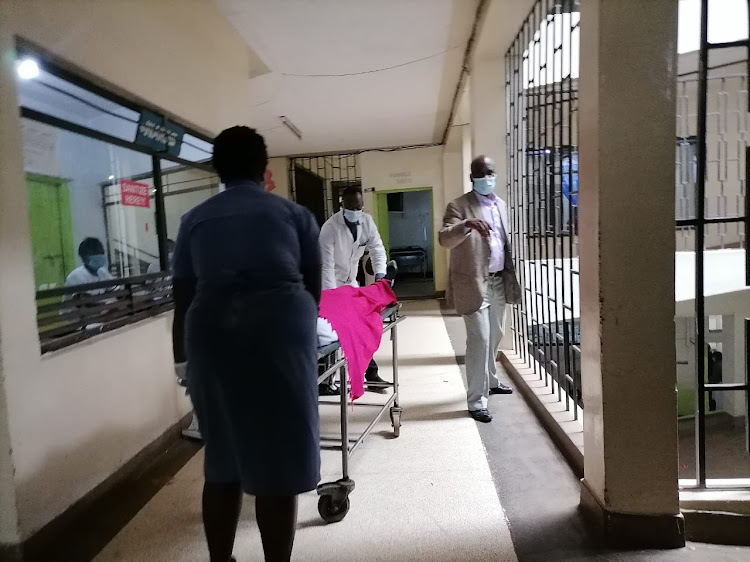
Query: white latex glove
180, 370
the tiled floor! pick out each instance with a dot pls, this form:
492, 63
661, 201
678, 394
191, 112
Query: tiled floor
426, 496
434, 494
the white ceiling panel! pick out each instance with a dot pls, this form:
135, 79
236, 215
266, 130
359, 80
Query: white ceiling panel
353, 74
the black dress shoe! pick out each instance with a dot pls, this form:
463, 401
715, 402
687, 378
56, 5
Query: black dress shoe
501, 389
328, 390
374, 383
482, 415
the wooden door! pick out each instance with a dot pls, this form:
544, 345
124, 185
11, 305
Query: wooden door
51, 230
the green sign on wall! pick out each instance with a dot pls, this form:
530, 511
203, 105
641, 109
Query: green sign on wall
155, 132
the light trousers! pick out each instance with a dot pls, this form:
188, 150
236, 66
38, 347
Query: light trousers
484, 331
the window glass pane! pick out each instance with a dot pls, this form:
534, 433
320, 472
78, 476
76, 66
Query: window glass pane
727, 22
195, 149
54, 96
184, 188
47, 93
81, 189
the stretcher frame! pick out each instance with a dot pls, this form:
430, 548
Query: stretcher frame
333, 504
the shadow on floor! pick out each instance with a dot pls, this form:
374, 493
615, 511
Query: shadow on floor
435, 416
421, 361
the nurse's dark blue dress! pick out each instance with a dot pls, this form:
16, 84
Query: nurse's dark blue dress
251, 339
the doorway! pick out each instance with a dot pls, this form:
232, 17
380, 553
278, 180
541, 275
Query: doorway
405, 221
310, 192
51, 230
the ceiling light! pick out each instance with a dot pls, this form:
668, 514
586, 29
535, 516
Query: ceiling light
111, 177
291, 126
27, 69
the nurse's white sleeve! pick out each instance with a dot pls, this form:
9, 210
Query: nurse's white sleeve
327, 261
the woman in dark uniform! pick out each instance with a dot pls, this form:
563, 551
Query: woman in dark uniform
246, 287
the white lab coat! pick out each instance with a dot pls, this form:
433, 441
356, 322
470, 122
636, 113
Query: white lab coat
341, 253
82, 276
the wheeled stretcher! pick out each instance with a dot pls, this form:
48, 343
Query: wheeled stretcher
333, 504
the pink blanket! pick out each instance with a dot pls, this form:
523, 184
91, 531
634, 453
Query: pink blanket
354, 312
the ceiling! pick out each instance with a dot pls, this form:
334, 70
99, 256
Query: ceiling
352, 74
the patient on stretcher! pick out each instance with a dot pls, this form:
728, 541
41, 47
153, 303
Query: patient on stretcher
326, 334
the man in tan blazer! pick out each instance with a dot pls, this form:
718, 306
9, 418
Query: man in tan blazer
482, 280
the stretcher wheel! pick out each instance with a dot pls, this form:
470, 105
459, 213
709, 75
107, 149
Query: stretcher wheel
330, 511
396, 421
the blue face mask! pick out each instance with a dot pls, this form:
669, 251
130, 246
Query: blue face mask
97, 262
484, 186
353, 216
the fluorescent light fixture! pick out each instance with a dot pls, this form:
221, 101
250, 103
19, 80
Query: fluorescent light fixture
291, 126
111, 177
27, 69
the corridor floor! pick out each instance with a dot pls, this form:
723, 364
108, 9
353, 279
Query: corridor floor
434, 494
540, 493
426, 496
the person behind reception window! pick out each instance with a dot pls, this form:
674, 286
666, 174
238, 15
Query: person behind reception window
246, 278
482, 280
94, 268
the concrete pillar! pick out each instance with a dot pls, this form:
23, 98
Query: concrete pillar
627, 244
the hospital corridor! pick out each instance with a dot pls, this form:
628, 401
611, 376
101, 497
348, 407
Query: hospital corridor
374, 281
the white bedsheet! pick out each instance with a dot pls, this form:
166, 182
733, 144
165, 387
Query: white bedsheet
326, 333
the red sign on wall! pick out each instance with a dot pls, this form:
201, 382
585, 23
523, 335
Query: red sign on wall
135, 194
268, 179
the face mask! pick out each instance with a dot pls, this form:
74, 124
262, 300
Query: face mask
484, 186
95, 263
353, 216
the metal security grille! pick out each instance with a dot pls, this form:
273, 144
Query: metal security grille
542, 162
331, 174
717, 213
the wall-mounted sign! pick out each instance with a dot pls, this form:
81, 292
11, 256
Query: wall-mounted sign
155, 132
135, 194
268, 180
400, 177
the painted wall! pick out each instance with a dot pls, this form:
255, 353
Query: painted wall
74, 417
403, 170
726, 140
280, 169
213, 65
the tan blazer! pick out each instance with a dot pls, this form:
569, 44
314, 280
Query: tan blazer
470, 256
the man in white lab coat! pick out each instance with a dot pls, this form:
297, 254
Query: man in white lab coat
343, 241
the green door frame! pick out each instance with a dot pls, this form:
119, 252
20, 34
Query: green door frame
381, 215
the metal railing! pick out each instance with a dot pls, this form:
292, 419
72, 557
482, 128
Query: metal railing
68, 315
542, 163
716, 174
